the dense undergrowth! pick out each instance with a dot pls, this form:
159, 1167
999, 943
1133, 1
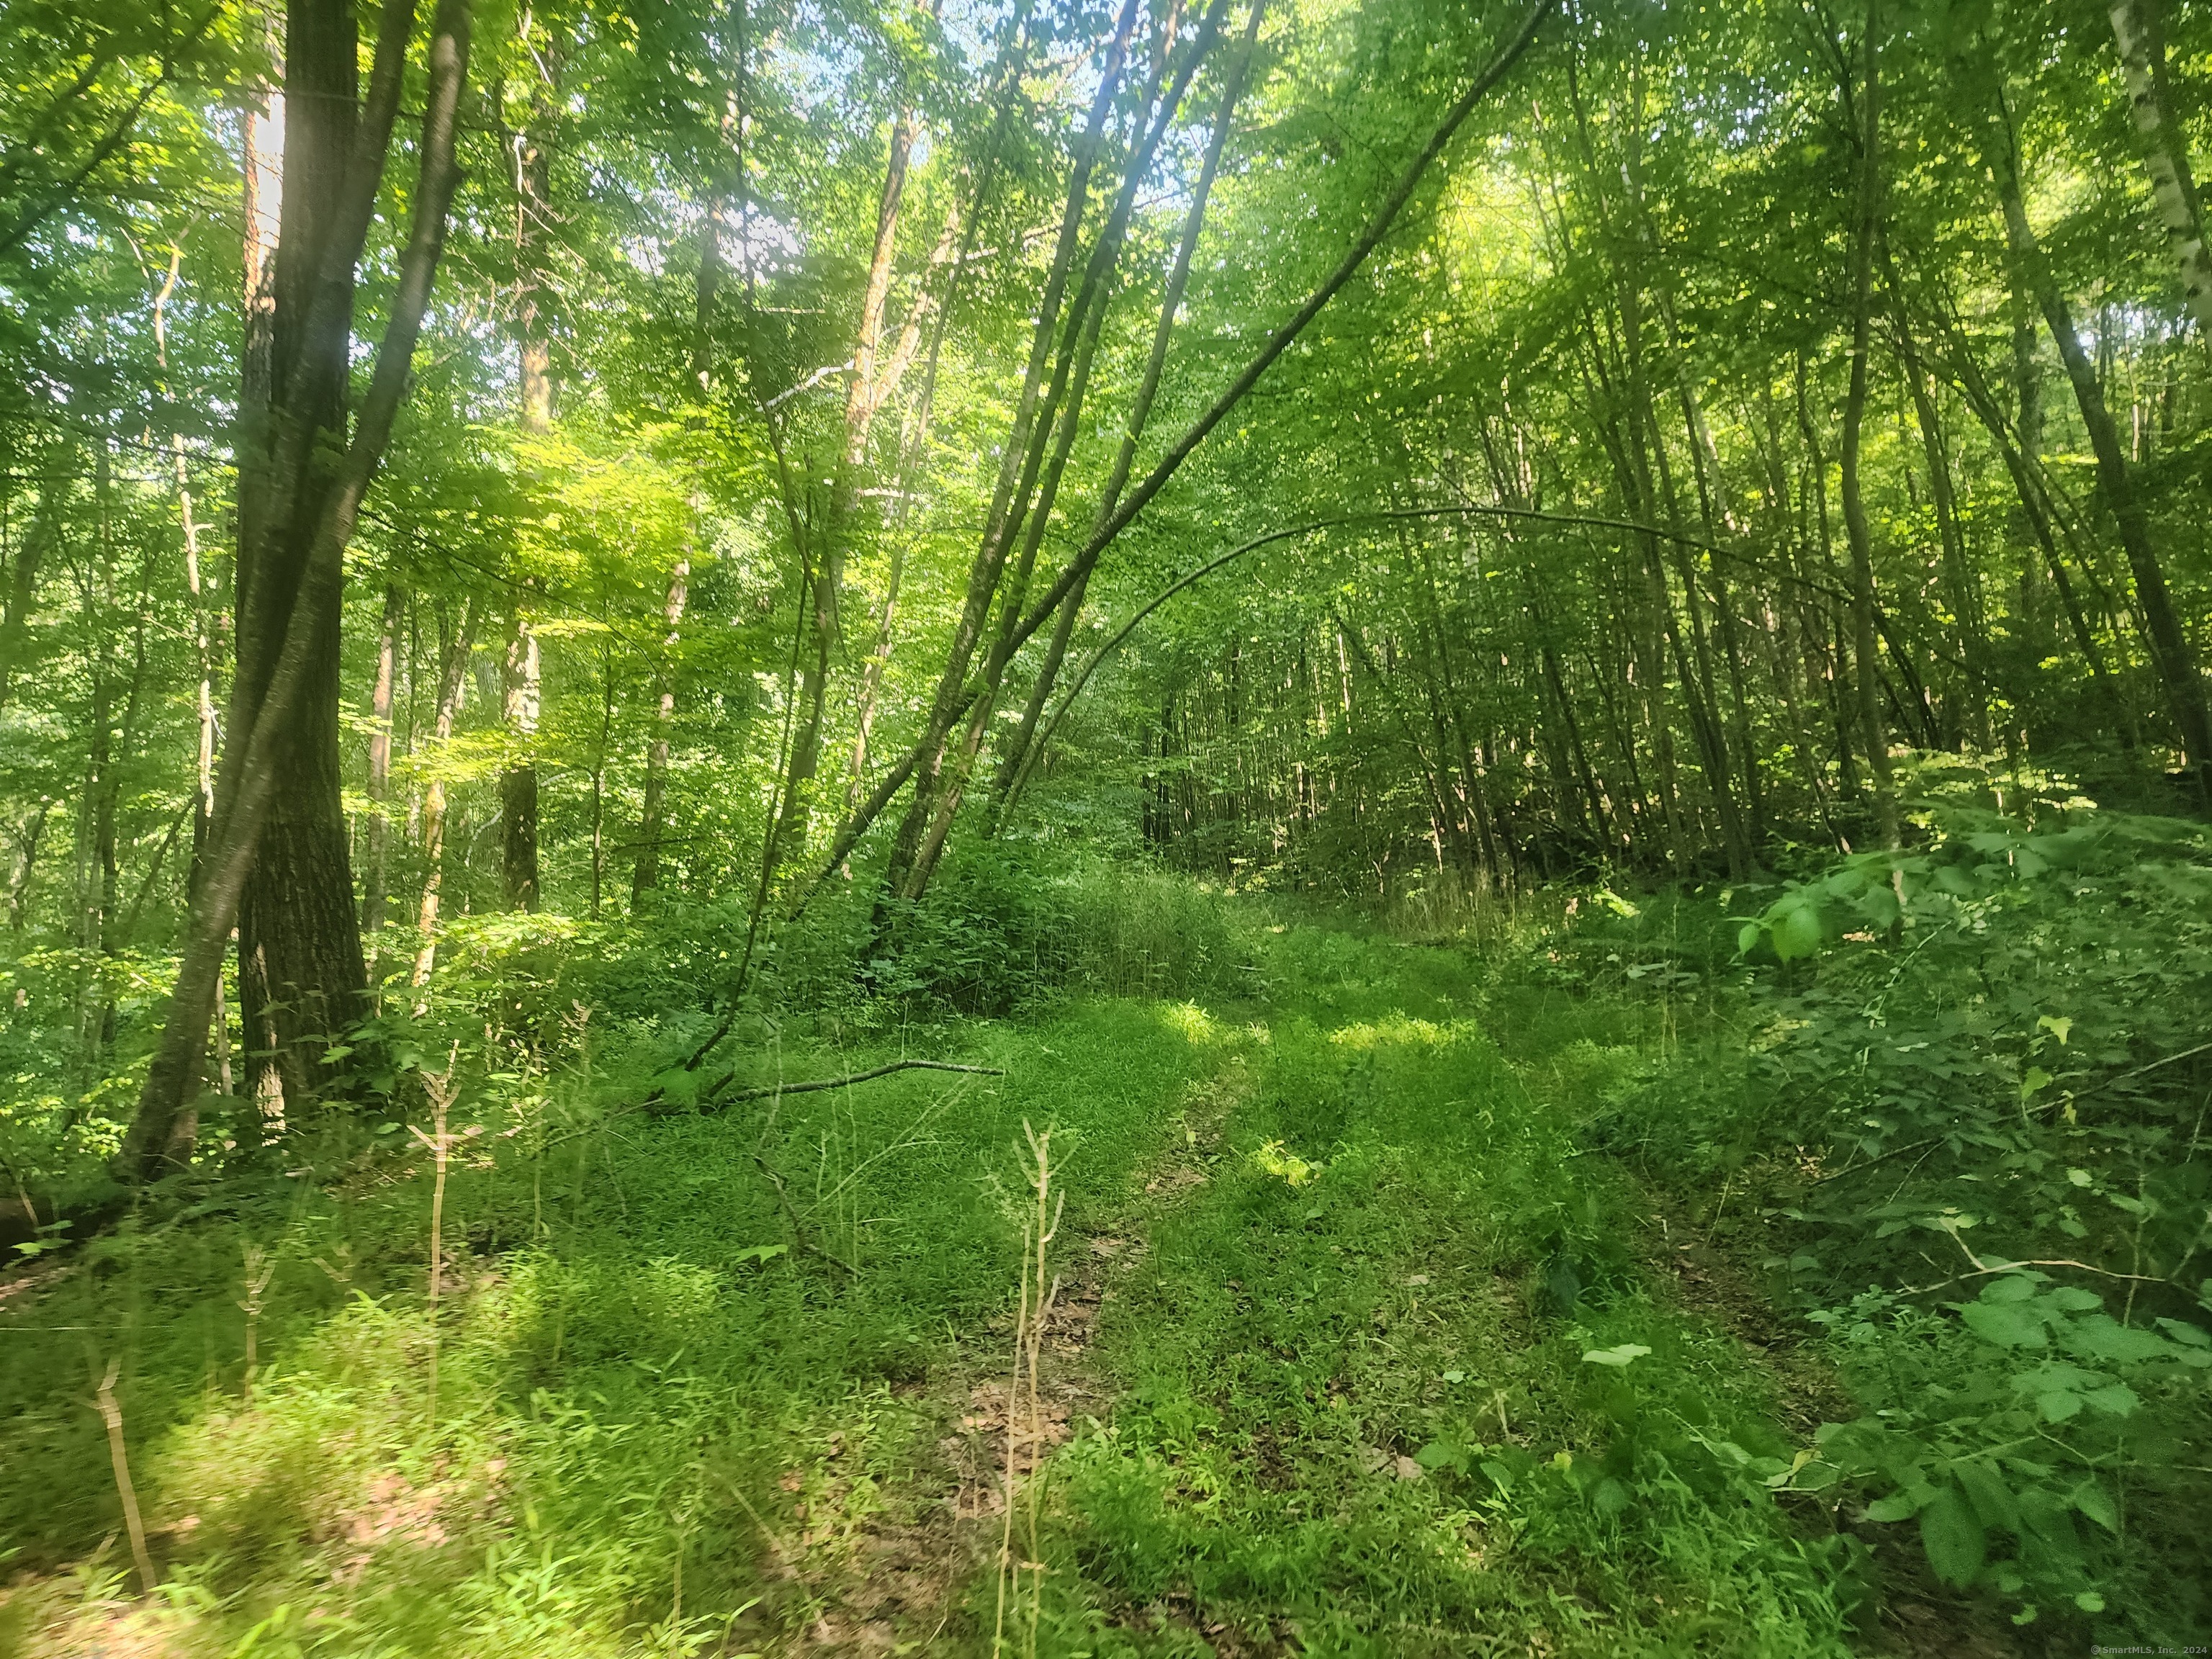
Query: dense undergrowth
1391, 1358
1956, 1123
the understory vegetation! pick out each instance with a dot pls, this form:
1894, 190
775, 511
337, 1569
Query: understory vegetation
1723, 1267
1113, 828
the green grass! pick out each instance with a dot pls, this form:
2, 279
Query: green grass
667, 1422
1293, 1340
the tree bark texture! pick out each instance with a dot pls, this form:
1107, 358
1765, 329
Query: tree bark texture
301, 976
258, 736
2166, 152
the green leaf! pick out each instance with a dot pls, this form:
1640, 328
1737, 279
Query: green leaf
1878, 907
1953, 1539
2105, 1338
2004, 1324
2114, 1400
2058, 1026
2089, 1601
2182, 1331
1992, 1500
2056, 1405
2010, 1287
762, 1253
2094, 1501
1626, 1354
1797, 931
1442, 1454
1897, 1506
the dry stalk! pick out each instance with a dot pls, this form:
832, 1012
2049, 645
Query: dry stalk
111, 1414
1033, 1305
260, 1268
439, 1086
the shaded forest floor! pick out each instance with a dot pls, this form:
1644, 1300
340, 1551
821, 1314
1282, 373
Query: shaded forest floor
1358, 1350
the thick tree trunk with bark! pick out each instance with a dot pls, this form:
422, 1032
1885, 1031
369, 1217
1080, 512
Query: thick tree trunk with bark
291, 638
301, 976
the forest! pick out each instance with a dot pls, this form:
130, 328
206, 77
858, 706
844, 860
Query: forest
1109, 828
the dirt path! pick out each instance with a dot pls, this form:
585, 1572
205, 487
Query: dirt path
923, 1554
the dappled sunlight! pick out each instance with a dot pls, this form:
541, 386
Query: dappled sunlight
1396, 1031
844, 830
1190, 1022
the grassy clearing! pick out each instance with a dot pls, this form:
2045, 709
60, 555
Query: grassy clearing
1346, 1261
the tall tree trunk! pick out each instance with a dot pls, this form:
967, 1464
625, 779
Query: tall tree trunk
1472, 777
379, 829
1983, 401
954, 695
1015, 476
1960, 580
863, 396
301, 976
203, 632
30, 555
1712, 502
2135, 26
533, 226
599, 775
1867, 210
452, 684
1063, 404
1015, 762
267, 712
26, 859
518, 784
915, 440
2169, 646
646, 875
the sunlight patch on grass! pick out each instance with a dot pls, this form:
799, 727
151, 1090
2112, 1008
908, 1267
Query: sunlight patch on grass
1278, 1159
1192, 1022
1394, 1031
